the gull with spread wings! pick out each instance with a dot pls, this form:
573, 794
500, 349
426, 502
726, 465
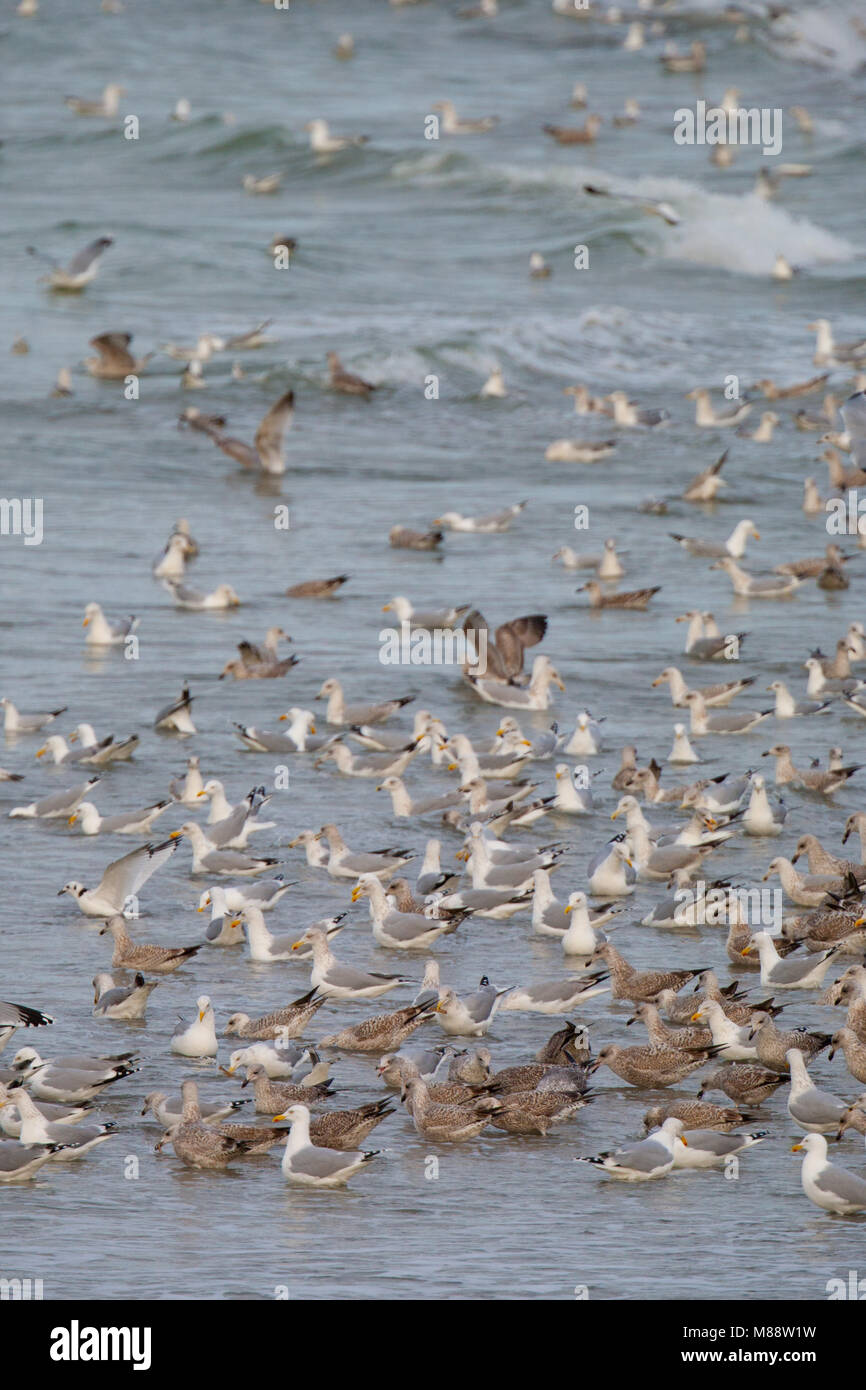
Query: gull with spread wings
500, 657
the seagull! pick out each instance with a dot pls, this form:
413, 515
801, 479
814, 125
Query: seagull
266, 452
323, 142
121, 880
830, 1187
651, 205
81, 269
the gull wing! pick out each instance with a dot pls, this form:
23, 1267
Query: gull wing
125, 876
269, 435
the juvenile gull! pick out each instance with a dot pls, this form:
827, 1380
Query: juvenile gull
113, 360
347, 382
744, 1082
443, 1122
698, 1114
346, 1129
156, 960
288, 1022
383, 1031
199, 1145
266, 451
649, 1067
272, 1097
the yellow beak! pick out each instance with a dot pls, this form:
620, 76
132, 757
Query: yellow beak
278, 1117
236, 922
176, 835
72, 820
86, 621
797, 1148
566, 910
695, 1018
201, 793
200, 1016
40, 751
296, 944
386, 608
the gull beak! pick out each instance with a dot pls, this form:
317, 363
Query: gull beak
312, 728
72, 819
630, 864
356, 893
566, 910
757, 535
200, 1016
386, 608
280, 720
683, 1141
796, 1148
500, 733
695, 1018
614, 814
747, 951
296, 944
201, 793
658, 679
278, 1117
86, 621
40, 751
560, 682
557, 776
452, 767
176, 835
229, 1071
236, 922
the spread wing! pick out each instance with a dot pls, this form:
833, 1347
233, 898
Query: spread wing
113, 348
269, 435
513, 637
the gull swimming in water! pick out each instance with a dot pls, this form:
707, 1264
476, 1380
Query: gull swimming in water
757, 586
131, 955
15, 721
451, 124
122, 879
308, 1165
128, 823
113, 360
491, 524
223, 596
706, 417
651, 1158
106, 105
323, 142
266, 452
340, 981
80, 270
106, 632
347, 382
706, 485
112, 1000
651, 205
199, 1038
830, 1187
735, 545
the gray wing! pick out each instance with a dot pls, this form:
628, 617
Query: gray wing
84, 258
817, 1108
842, 1184
18, 1015
644, 1157
479, 1004
125, 876
62, 801
787, 971
853, 413
323, 1163
710, 1141
269, 435
345, 977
